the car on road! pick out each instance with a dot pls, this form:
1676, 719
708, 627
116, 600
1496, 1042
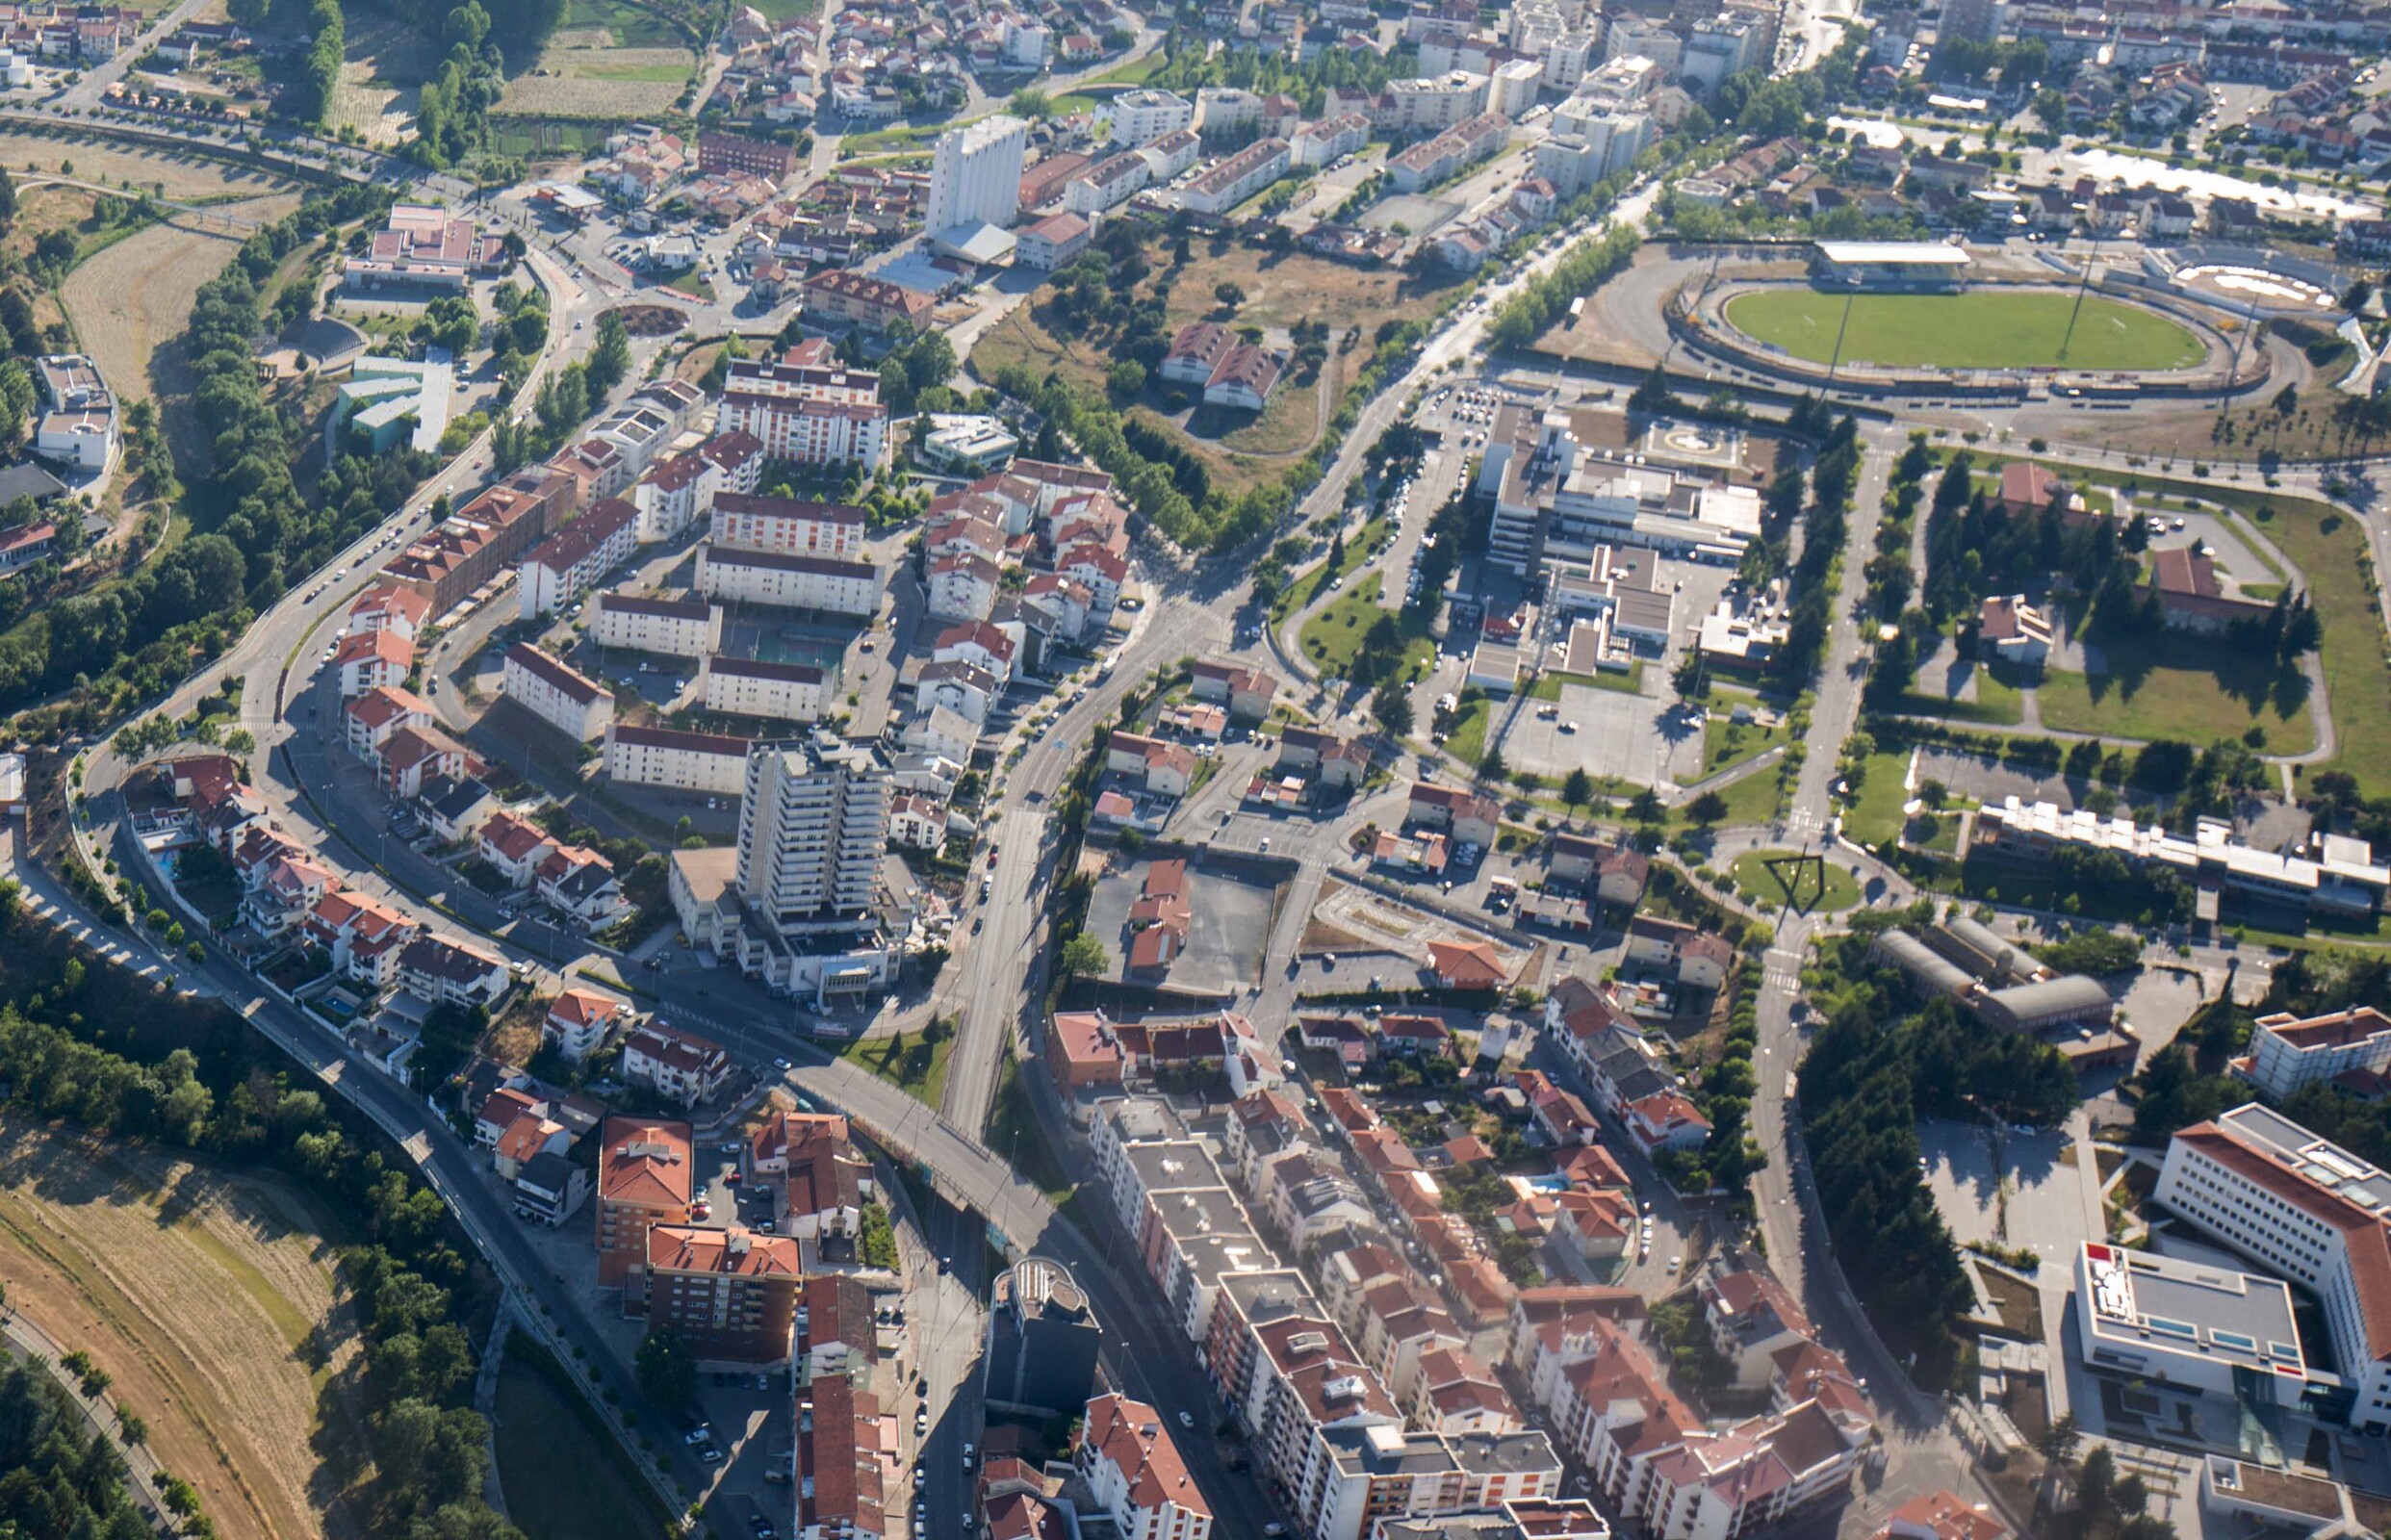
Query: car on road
1186, 1420
709, 1456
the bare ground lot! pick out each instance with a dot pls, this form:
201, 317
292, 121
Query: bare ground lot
207, 1297
182, 176
133, 299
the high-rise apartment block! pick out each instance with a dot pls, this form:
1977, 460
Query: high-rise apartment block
975, 178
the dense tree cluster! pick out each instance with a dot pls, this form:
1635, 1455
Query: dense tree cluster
1875, 1068
60, 1480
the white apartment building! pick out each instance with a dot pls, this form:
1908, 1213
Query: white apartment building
674, 494
1139, 117
1137, 1475
372, 660
672, 628
1237, 178
680, 762
975, 175
743, 686
2287, 1054
1108, 184
569, 563
1512, 88
558, 695
811, 830
1430, 104
1634, 37
443, 970
1326, 141
1588, 144
1620, 83
1568, 57
788, 582
793, 526
807, 412
2307, 1210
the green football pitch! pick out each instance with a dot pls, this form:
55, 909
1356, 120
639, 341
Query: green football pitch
1975, 328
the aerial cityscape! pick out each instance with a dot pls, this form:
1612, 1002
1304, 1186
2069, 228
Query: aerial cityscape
1265, 770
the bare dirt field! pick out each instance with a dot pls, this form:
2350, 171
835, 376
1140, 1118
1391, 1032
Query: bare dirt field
208, 1297
183, 176
131, 299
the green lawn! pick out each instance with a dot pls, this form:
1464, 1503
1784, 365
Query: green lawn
1759, 797
1839, 891
2194, 689
1727, 743
920, 1070
1997, 702
562, 1470
1331, 637
1627, 681
1304, 590
1875, 817
1980, 329
1467, 742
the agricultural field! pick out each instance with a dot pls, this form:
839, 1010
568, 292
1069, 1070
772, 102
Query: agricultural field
1979, 328
131, 299
608, 60
384, 62
207, 1295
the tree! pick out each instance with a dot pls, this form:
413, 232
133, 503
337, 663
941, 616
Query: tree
1492, 767
1576, 788
1083, 956
1035, 105
1125, 381
611, 360
1229, 295
130, 1426
1706, 810
666, 1372
1392, 706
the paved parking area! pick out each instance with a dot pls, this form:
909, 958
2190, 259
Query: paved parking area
1979, 1176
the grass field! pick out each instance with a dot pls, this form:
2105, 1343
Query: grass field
208, 1297
1837, 891
559, 1466
1727, 743
1313, 584
2327, 545
2188, 689
1981, 328
920, 1070
1875, 817
1331, 637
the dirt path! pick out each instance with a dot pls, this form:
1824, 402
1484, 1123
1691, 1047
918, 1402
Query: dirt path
207, 1298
